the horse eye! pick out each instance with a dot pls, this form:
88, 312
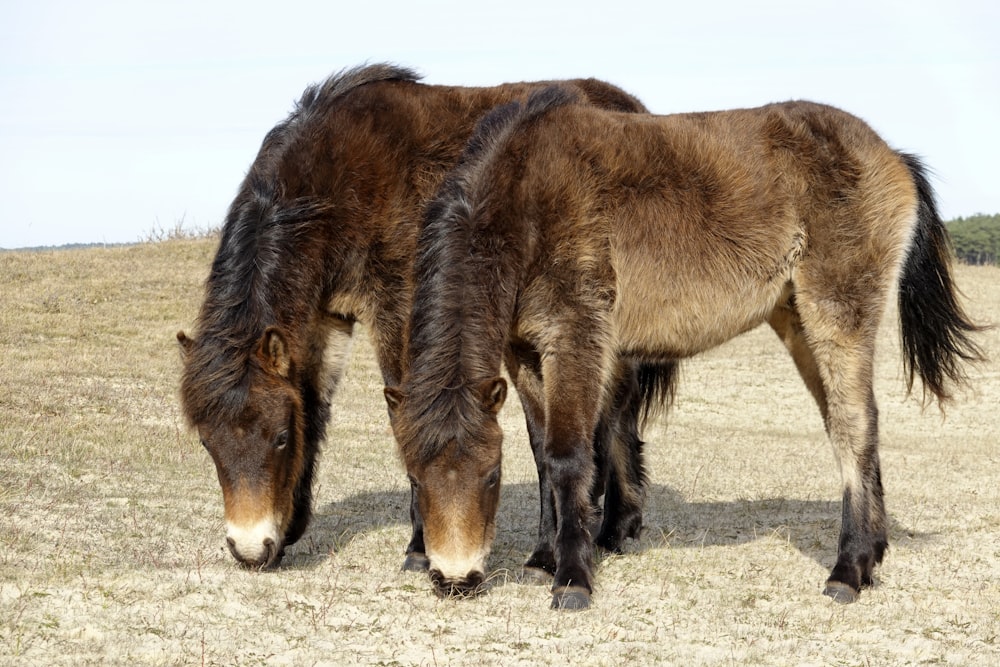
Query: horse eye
281, 440
494, 478
413, 481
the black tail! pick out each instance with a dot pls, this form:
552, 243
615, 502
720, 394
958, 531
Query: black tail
937, 334
657, 389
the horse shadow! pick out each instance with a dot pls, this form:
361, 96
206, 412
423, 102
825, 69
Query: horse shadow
669, 521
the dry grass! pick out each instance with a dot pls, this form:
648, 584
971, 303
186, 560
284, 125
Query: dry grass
111, 533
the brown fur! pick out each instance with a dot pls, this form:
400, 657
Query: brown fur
321, 235
594, 236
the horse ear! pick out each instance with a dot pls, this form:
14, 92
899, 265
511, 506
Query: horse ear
185, 342
493, 392
393, 398
274, 352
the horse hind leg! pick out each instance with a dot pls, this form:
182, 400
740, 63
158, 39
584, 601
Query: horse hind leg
624, 473
787, 324
863, 532
643, 390
842, 356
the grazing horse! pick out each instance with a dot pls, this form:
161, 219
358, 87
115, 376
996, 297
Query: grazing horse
321, 236
589, 235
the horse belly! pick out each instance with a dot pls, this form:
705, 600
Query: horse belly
670, 314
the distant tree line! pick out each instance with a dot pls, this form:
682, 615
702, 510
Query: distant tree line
976, 238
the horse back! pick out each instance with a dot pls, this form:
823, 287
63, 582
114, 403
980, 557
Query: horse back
371, 157
701, 224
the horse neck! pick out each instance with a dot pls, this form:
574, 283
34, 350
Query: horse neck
467, 277
378, 176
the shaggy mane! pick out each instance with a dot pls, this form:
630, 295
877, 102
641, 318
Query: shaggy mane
251, 274
466, 272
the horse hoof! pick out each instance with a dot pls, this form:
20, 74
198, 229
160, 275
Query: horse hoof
535, 576
840, 592
416, 562
571, 598
610, 545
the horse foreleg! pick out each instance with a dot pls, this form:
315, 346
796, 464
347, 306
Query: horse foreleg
416, 554
541, 564
619, 475
571, 418
570, 470
523, 365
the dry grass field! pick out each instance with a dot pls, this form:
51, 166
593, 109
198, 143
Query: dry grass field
112, 546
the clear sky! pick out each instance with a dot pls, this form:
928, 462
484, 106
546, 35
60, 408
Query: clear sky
118, 119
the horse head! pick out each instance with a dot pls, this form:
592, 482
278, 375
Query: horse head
253, 425
452, 455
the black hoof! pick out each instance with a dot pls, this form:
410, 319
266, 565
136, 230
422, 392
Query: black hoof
609, 544
534, 576
571, 598
541, 559
840, 592
416, 562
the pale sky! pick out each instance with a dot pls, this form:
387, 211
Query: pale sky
121, 118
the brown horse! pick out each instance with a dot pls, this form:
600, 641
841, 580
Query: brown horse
595, 235
320, 236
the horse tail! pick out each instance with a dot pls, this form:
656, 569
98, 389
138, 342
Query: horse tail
936, 332
657, 388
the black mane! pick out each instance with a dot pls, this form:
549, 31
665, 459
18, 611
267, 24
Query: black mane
317, 97
255, 268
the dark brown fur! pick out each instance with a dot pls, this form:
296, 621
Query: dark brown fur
321, 235
590, 236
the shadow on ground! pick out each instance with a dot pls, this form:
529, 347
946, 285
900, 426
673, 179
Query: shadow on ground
811, 526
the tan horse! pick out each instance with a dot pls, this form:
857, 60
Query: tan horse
321, 235
590, 235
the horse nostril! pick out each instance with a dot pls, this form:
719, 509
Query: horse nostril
270, 556
273, 553
270, 553
468, 586
474, 580
240, 558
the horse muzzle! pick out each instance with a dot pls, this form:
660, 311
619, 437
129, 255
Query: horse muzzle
259, 547
468, 586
